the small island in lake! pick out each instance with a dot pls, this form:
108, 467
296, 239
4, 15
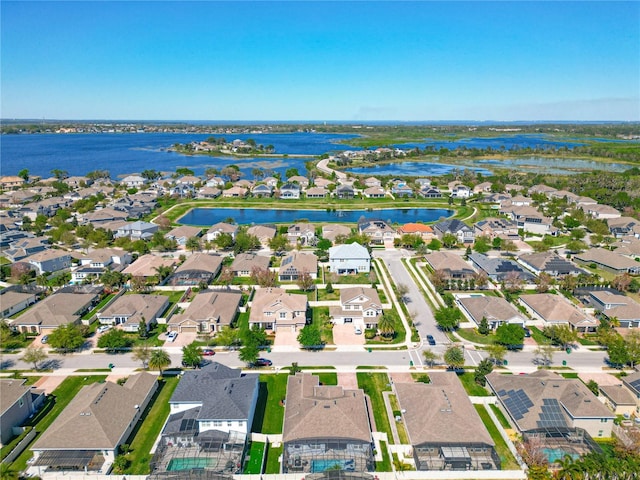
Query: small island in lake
220, 146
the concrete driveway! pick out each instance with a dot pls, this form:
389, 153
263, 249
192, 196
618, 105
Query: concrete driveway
345, 335
286, 340
181, 340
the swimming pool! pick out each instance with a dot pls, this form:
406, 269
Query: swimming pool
188, 463
554, 454
318, 466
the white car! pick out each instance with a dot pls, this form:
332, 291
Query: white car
357, 330
103, 328
171, 336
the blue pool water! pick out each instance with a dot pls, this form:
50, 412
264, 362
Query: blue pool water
188, 463
554, 454
322, 465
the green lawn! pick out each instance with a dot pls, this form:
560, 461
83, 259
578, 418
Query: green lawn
538, 336
105, 300
385, 464
398, 327
507, 459
254, 463
273, 459
54, 405
472, 335
323, 295
470, 385
500, 416
319, 315
402, 432
373, 385
270, 410
147, 431
328, 378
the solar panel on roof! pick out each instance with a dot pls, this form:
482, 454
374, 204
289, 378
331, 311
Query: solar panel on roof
635, 384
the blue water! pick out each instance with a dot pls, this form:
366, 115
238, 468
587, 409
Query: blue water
209, 216
416, 169
188, 463
124, 153
554, 454
553, 166
506, 141
318, 466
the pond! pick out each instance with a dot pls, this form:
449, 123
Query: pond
415, 169
247, 216
554, 166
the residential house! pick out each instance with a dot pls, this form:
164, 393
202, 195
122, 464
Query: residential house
372, 182
629, 247
102, 216
322, 182
208, 313
325, 427
25, 246
131, 309
182, 190
244, 263
423, 182
295, 264
623, 226
183, 233
496, 310
429, 192
87, 434
271, 181
302, 233
451, 265
460, 191
290, 191
500, 269
209, 192
333, 230
625, 310
216, 182
608, 260
212, 409
188, 180
16, 298
18, 402
219, 228
137, 230
11, 181
345, 192
463, 232
543, 189
484, 187
374, 192
264, 233
400, 189
550, 263
360, 306
632, 383
378, 231
274, 309
552, 409
235, 192
199, 268
444, 429
262, 190
619, 399
133, 181
601, 212
350, 258
106, 258
316, 192
530, 220
300, 180
556, 310
496, 227
146, 266
424, 231
49, 261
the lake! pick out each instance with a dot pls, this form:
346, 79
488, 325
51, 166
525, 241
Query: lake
416, 169
124, 153
507, 142
247, 216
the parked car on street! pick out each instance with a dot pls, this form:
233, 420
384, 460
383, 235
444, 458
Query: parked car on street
262, 362
207, 352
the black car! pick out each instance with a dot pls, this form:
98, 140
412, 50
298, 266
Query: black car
262, 362
431, 340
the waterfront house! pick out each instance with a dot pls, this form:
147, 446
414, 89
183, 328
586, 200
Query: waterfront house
183, 233
11, 181
401, 189
316, 192
374, 192
429, 192
378, 231
133, 181
290, 191
372, 182
262, 190
333, 230
274, 309
264, 233
219, 228
209, 192
302, 233
424, 231
235, 192
345, 192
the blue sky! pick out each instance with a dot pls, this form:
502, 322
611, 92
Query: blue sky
411, 61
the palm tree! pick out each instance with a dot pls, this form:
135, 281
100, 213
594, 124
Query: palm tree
386, 326
159, 359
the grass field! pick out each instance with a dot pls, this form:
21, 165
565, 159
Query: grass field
373, 385
472, 335
148, 430
500, 416
256, 452
53, 406
385, 464
470, 385
273, 459
506, 458
270, 411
